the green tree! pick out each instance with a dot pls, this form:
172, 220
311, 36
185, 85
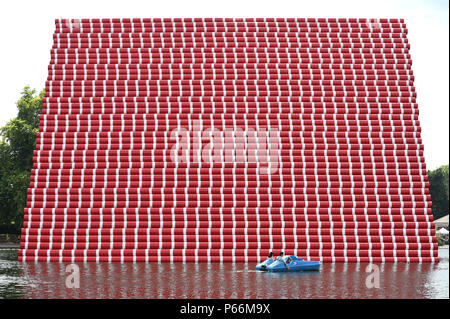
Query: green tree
17, 143
438, 179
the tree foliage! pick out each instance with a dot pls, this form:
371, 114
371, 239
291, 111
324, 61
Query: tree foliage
17, 143
438, 179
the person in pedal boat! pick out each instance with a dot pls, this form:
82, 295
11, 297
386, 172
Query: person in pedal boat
281, 259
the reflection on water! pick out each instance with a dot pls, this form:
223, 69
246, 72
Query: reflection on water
140, 280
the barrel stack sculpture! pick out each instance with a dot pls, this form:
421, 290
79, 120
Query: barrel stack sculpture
219, 140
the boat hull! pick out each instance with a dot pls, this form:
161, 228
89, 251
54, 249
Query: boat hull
289, 264
296, 266
263, 266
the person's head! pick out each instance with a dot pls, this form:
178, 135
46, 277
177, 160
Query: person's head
270, 254
281, 254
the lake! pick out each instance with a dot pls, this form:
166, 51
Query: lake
232, 280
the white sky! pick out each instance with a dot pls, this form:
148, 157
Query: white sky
26, 29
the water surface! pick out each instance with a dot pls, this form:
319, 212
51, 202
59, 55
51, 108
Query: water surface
238, 280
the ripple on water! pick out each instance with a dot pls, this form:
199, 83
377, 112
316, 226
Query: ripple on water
140, 280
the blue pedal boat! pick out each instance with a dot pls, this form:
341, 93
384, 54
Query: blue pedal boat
292, 263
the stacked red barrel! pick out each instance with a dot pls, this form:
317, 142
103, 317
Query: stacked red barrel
194, 140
